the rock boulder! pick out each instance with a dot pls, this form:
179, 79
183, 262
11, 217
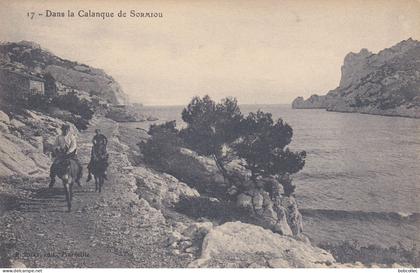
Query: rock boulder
4, 117
161, 189
280, 214
235, 244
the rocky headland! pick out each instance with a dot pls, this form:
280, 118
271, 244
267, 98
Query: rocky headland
385, 83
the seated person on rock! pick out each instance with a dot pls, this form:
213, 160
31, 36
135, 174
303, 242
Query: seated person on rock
98, 153
65, 148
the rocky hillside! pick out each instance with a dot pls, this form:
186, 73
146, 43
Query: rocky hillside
386, 83
25, 143
30, 58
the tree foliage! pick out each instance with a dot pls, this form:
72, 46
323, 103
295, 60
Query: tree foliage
211, 126
263, 145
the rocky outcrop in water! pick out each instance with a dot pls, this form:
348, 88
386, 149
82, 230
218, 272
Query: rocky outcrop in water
386, 83
313, 102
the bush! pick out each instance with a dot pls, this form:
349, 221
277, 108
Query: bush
82, 110
79, 122
16, 101
163, 143
72, 103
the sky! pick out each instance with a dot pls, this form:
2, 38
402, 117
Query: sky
264, 52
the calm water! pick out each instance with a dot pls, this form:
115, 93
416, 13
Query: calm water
355, 163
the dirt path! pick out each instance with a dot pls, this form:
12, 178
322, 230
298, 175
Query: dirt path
111, 229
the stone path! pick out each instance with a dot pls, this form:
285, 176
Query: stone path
111, 229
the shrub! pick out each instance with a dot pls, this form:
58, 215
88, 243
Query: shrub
163, 143
82, 110
72, 103
16, 101
79, 122
50, 85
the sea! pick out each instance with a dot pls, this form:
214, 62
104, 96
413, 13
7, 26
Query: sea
360, 182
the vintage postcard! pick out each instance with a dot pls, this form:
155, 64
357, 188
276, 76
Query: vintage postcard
210, 134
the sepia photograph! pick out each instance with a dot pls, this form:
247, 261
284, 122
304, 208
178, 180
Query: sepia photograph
209, 134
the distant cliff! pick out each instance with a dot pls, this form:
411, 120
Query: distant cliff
30, 58
386, 83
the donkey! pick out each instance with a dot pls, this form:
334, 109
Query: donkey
99, 165
69, 172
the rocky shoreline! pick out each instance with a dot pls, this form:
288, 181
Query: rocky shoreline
201, 236
136, 220
163, 192
322, 103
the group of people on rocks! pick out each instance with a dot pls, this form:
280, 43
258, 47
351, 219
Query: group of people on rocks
65, 148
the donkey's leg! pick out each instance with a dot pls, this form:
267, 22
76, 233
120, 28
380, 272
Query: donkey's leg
71, 190
79, 174
52, 176
96, 183
66, 185
100, 183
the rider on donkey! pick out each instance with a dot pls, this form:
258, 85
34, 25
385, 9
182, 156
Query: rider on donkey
98, 152
65, 148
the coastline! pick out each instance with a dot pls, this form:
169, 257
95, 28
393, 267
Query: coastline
342, 223
121, 212
375, 112
336, 226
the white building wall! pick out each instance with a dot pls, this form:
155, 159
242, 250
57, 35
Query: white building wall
36, 87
